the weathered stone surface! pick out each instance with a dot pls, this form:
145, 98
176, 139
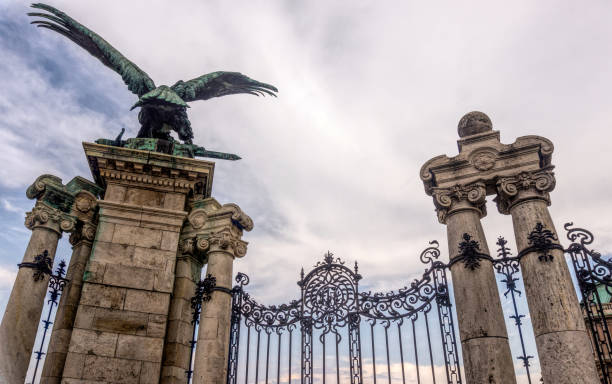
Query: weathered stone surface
111, 370
140, 348
120, 321
146, 301
115, 193
142, 237
129, 277
482, 357
149, 373
562, 357
93, 342
74, 365
169, 241
102, 296
146, 197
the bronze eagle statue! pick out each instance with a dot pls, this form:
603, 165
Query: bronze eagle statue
162, 108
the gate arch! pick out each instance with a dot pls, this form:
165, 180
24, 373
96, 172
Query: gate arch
332, 312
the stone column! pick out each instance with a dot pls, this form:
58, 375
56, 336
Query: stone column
484, 340
180, 327
563, 345
21, 318
81, 240
221, 230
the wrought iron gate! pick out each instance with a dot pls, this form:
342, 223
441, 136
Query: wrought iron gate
594, 275
278, 343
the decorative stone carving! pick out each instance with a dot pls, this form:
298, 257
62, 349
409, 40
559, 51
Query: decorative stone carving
474, 123
84, 204
228, 241
524, 186
241, 219
85, 232
202, 244
186, 246
197, 218
54, 219
483, 160
459, 197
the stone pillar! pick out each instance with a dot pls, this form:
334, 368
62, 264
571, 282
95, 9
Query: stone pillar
220, 231
81, 240
121, 320
180, 327
482, 329
563, 344
49, 217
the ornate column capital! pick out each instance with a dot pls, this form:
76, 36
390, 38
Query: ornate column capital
62, 208
85, 232
43, 216
532, 185
212, 227
459, 198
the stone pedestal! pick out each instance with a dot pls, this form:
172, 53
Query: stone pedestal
52, 215
482, 329
122, 315
561, 338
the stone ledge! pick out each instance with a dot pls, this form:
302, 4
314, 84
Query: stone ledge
138, 167
143, 216
483, 158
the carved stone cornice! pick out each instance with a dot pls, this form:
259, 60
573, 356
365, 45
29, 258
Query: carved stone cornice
157, 170
43, 216
459, 198
534, 185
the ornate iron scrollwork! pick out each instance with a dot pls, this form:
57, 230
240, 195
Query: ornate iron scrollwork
331, 304
203, 292
541, 240
469, 253
594, 275
57, 283
508, 266
42, 265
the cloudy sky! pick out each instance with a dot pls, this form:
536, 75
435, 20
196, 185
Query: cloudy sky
369, 91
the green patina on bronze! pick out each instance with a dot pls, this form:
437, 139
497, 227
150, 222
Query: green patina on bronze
170, 147
162, 109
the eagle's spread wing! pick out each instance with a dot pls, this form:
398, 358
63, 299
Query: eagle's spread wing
218, 84
135, 78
